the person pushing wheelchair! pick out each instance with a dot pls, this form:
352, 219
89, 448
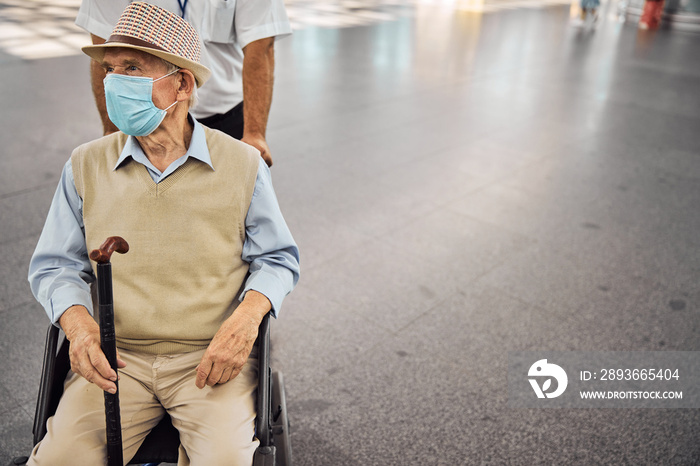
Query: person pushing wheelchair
210, 256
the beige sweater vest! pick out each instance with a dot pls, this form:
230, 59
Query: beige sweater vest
183, 273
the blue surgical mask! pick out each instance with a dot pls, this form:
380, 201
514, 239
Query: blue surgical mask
130, 103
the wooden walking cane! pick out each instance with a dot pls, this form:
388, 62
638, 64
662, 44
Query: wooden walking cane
109, 341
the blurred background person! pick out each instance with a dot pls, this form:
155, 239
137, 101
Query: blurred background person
589, 12
651, 15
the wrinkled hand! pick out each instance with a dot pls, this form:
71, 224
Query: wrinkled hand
229, 349
86, 356
260, 144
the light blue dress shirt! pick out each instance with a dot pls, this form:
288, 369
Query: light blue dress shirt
60, 272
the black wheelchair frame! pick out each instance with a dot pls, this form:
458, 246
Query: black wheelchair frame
161, 444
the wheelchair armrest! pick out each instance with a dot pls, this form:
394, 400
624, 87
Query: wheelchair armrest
54, 369
262, 421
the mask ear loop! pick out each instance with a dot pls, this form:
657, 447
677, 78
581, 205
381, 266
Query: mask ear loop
165, 76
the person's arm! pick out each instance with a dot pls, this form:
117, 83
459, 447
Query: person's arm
273, 256
60, 272
97, 76
59, 276
269, 247
258, 80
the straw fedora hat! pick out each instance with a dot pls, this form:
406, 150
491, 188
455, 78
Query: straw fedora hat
156, 31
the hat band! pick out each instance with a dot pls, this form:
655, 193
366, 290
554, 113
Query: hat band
133, 41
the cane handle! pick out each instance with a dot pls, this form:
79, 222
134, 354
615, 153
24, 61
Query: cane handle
111, 244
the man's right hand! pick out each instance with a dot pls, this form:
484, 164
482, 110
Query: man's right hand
86, 356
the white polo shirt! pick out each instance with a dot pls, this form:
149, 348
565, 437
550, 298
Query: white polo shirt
224, 27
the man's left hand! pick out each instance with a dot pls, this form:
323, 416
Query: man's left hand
229, 349
260, 144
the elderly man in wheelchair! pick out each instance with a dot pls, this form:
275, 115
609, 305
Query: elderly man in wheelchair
210, 256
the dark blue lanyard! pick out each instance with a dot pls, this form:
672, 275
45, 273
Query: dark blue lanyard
183, 6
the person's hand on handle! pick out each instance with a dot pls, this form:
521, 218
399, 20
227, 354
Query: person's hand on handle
229, 349
260, 144
86, 356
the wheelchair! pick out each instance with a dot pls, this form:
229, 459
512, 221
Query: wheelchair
161, 444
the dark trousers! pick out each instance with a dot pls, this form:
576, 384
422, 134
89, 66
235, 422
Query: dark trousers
230, 122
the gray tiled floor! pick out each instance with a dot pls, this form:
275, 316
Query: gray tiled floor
461, 186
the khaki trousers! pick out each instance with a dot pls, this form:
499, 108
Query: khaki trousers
216, 424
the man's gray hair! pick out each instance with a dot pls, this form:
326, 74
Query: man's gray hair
169, 67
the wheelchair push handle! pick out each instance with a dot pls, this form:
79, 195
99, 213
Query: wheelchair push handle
103, 254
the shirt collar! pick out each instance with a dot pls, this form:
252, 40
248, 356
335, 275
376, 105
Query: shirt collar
198, 148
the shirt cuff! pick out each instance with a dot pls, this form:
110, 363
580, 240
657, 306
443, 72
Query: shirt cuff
63, 299
267, 284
